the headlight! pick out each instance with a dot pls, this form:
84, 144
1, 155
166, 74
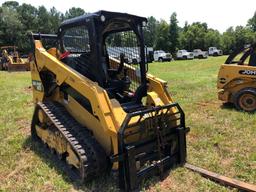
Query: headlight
102, 18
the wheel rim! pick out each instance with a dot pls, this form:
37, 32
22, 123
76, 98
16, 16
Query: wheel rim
248, 102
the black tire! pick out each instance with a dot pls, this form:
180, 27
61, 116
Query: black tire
215, 54
185, 57
245, 100
160, 59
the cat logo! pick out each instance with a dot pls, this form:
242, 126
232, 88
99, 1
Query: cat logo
247, 72
38, 85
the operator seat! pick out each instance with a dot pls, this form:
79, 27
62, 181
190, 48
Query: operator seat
116, 85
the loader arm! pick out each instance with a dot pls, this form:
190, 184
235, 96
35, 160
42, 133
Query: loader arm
101, 105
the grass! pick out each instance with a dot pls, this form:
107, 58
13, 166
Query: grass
221, 138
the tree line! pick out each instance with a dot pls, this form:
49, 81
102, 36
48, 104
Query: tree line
170, 37
16, 21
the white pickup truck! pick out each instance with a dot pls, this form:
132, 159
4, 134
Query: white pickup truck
161, 56
184, 54
213, 51
198, 53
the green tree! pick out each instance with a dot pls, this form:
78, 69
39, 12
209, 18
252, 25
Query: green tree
74, 12
55, 19
150, 32
10, 26
28, 16
236, 38
162, 33
212, 39
252, 22
11, 4
174, 33
185, 28
193, 37
228, 41
43, 22
243, 36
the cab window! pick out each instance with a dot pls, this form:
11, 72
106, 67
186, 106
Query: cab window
76, 40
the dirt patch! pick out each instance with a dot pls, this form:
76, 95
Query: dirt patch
203, 116
48, 187
192, 137
16, 172
166, 184
23, 126
3, 176
22, 164
29, 104
227, 161
172, 183
212, 104
28, 89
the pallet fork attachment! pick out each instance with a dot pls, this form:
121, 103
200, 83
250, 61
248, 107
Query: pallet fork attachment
158, 149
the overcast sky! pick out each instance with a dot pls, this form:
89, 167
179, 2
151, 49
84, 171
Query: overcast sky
218, 14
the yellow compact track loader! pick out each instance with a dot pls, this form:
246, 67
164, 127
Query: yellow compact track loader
95, 105
11, 60
237, 79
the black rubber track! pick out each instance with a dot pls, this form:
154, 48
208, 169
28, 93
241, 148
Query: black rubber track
93, 160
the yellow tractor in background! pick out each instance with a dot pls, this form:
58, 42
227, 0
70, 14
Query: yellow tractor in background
237, 79
11, 60
95, 105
